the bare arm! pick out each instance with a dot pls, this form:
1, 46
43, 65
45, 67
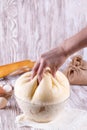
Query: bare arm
56, 57
76, 42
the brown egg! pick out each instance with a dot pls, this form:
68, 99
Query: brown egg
3, 102
2, 91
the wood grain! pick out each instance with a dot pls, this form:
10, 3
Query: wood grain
29, 28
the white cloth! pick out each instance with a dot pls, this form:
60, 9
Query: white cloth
69, 119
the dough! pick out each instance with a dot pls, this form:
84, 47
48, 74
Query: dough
50, 90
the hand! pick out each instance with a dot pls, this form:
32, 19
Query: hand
52, 59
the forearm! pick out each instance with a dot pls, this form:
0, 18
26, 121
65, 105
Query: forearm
75, 43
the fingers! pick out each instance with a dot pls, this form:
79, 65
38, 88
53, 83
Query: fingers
41, 65
40, 71
35, 69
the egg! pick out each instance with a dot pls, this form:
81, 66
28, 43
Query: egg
3, 102
7, 88
2, 91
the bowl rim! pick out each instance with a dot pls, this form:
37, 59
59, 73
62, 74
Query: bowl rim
42, 104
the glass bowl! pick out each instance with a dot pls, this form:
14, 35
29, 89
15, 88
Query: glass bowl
40, 112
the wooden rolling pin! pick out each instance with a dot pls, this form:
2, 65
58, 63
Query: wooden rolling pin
6, 70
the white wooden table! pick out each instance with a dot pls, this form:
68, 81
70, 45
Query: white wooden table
9, 113
31, 27
78, 99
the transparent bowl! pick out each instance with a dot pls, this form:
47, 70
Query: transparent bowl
40, 112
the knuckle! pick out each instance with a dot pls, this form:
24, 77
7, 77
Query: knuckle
43, 60
42, 56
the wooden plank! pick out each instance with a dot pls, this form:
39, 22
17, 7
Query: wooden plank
29, 28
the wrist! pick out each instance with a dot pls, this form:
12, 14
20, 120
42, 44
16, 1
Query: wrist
64, 49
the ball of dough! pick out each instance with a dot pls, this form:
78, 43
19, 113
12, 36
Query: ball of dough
50, 90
